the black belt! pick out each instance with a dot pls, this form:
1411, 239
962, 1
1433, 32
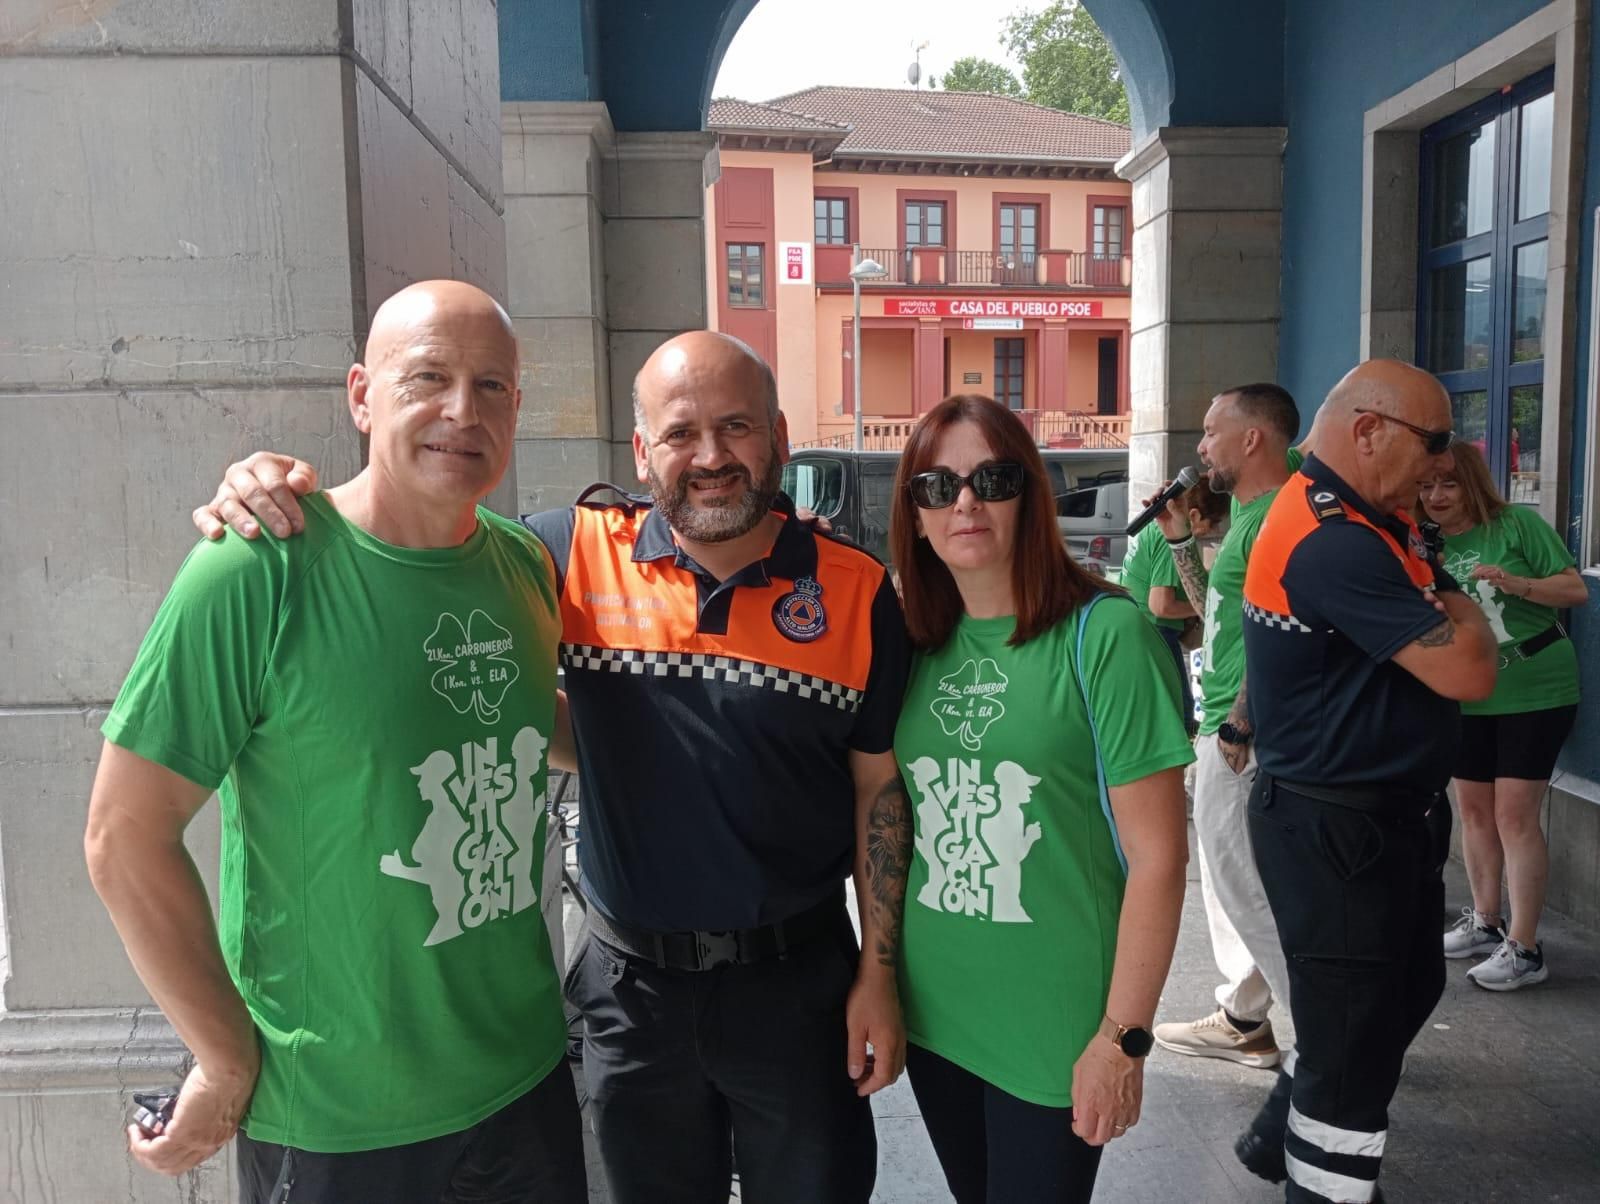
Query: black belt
1533, 645
1396, 801
708, 950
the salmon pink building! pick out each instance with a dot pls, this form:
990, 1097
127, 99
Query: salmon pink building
1002, 227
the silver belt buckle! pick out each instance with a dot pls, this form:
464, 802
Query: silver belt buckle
713, 949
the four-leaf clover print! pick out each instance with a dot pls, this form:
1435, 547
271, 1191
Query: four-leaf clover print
474, 668
969, 701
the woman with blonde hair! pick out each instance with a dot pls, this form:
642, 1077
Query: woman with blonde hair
1520, 573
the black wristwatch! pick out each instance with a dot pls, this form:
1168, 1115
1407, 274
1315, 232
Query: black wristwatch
1228, 733
1130, 1039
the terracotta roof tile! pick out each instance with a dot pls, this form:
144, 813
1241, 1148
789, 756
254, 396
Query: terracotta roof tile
967, 125
728, 113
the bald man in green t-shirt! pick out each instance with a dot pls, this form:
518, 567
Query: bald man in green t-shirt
376, 1012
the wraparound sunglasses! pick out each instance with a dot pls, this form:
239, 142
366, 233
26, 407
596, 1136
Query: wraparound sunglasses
990, 483
1435, 443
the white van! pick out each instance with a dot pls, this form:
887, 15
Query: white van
1093, 519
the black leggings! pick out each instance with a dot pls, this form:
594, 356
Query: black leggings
995, 1148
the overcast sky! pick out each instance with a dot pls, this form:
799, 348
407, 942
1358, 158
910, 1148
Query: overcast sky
786, 45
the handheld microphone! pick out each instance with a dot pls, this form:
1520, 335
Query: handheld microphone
1187, 476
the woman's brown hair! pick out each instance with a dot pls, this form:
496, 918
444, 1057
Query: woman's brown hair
1200, 496
1481, 499
1046, 584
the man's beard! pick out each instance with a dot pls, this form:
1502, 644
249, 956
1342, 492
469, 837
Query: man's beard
717, 520
1220, 479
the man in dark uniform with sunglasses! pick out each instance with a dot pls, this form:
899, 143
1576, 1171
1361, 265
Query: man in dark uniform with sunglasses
734, 680
1359, 648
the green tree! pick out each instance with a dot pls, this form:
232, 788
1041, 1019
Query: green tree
972, 74
1067, 63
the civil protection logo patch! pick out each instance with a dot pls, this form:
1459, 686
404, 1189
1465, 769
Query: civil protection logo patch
799, 614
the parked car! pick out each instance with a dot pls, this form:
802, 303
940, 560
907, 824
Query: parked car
1093, 519
851, 489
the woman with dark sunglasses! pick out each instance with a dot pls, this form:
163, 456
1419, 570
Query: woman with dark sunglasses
1043, 749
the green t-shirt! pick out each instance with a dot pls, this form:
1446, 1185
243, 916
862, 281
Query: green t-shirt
1015, 888
1521, 543
1148, 564
374, 720
1222, 671
1293, 458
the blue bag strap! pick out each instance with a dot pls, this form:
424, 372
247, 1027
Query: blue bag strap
1082, 619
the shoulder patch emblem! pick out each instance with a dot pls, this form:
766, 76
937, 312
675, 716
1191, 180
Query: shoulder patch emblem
798, 615
1325, 504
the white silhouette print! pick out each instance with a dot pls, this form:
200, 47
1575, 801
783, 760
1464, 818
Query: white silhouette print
1009, 840
974, 837
1494, 610
431, 854
931, 823
1213, 624
476, 851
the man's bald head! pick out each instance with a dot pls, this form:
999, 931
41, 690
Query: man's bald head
1390, 387
437, 396
1375, 426
464, 307
706, 354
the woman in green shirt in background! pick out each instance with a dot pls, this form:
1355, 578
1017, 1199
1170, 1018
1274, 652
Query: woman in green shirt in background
1520, 573
1043, 900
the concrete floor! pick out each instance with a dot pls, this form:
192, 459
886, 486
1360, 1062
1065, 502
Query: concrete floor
1500, 1102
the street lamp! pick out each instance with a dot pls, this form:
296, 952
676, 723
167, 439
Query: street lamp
865, 269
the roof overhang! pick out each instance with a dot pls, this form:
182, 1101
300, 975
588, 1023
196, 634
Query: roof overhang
818, 144
1019, 167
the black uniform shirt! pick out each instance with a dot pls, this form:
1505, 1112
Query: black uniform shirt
1333, 591
715, 720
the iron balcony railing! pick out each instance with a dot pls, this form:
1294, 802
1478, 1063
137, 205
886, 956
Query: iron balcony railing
924, 266
1050, 428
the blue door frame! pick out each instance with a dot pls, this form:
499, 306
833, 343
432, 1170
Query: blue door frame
1500, 244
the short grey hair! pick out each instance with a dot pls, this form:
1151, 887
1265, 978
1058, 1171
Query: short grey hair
769, 387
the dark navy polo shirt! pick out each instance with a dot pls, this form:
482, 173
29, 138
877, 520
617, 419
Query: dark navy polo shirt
1333, 591
715, 719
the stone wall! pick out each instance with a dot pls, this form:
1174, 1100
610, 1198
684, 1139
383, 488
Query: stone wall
204, 201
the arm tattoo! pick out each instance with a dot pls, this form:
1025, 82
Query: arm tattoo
1441, 635
888, 861
1192, 571
1239, 712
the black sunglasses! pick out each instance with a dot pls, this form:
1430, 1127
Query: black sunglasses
990, 482
1435, 443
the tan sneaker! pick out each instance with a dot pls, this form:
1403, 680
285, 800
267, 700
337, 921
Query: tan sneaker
1213, 1037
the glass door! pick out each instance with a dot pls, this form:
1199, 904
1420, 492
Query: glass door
1485, 203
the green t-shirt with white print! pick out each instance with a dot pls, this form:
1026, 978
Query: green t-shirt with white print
1015, 888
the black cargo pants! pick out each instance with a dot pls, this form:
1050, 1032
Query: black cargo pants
1357, 895
687, 1068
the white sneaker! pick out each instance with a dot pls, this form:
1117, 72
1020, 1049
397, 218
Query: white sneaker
1471, 936
1510, 967
1213, 1037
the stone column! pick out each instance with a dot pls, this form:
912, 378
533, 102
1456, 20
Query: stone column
654, 201
1207, 230
201, 215
554, 162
